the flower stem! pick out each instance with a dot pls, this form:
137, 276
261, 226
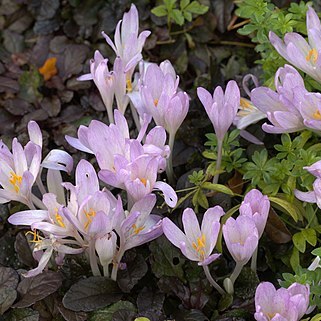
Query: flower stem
218, 160
116, 262
212, 281
106, 270
93, 260
236, 272
169, 165
135, 116
254, 260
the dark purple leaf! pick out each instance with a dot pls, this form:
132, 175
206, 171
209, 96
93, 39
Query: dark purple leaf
130, 276
75, 56
8, 282
8, 85
23, 250
37, 288
92, 293
150, 304
22, 315
17, 106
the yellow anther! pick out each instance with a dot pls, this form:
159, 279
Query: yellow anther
156, 102
36, 237
90, 215
312, 55
16, 181
317, 115
137, 229
245, 104
201, 243
59, 219
129, 86
144, 181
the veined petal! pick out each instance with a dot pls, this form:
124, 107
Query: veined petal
35, 133
59, 160
173, 233
41, 265
28, 217
169, 194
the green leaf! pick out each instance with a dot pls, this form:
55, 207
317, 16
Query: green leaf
310, 236
299, 241
218, 188
286, 207
316, 317
295, 259
197, 8
201, 199
159, 11
106, 314
184, 3
177, 17
317, 251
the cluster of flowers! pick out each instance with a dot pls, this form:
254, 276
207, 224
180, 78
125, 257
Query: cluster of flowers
82, 218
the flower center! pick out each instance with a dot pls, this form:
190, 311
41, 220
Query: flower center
16, 181
245, 104
144, 181
200, 245
137, 229
156, 102
129, 86
59, 219
36, 237
90, 215
312, 55
317, 115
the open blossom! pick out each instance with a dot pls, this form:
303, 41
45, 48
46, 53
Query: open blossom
20, 168
241, 238
222, 107
128, 44
256, 206
281, 107
283, 304
197, 244
126, 163
299, 52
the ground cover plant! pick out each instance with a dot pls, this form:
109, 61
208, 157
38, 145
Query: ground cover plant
171, 168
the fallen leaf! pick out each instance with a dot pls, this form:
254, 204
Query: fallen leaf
49, 69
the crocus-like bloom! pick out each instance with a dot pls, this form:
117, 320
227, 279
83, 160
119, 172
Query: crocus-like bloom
281, 107
197, 243
128, 44
282, 304
103, 79
302, 54
126, 163
19, 169
310, 109
312, 196
241, 238
161, 98
221, 108
256, 206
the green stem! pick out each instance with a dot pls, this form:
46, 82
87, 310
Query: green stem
218, 160
212, 281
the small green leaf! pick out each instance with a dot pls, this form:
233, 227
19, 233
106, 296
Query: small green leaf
286, 207
218, 188
159, 11
295, 259
299, 241
310, 236
177, 17
106, 314
184, 3
197, 8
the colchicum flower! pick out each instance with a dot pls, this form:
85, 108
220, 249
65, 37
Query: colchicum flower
103, 79
256, 206
222, 107
281, 107
197, 244
299, 52
241, 238
128, 44
281, 305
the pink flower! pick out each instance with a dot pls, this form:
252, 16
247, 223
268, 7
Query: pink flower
221, 108
197, 244
282, 304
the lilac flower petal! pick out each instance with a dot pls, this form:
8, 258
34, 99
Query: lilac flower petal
28, 217
169, 194
173, 233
